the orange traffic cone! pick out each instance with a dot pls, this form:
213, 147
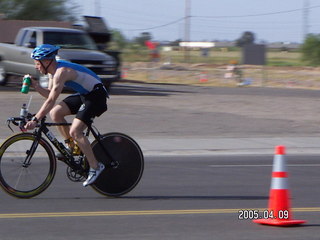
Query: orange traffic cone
124, 73
279, 200
203, 77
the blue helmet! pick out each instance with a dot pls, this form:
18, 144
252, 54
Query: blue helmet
45, 51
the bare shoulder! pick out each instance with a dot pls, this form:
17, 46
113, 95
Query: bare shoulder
65, 74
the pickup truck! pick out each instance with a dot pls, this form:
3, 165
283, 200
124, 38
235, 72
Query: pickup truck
76, 46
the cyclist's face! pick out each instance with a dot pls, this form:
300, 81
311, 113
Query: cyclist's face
41, 67
38, 66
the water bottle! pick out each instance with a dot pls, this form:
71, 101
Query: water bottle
24, 111
23, 114
26, 84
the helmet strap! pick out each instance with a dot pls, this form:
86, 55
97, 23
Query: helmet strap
46, 68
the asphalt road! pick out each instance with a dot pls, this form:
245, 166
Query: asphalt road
177, 198
162, 111
181, 197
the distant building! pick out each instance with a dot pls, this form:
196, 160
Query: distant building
224, 44
10, 28
197, 45
228, 44
284, 45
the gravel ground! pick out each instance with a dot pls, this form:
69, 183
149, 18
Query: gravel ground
215, 75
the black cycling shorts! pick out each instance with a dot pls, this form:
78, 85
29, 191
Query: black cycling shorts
87, 107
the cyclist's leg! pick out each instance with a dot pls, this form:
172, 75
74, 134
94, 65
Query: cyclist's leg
69, 106
57, 115
94, 104
76, 132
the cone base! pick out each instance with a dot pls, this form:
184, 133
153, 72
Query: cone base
282, 222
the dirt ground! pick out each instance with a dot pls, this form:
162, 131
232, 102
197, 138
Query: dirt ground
221, 75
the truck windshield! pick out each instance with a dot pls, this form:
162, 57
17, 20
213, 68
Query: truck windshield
69, 40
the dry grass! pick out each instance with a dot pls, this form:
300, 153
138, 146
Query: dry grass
214, 75
284, 69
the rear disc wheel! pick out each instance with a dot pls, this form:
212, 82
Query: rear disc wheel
129, 164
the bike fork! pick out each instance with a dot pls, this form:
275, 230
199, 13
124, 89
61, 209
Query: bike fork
27, 162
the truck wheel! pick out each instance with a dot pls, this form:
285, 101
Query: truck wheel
3, 76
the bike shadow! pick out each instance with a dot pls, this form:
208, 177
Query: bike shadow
149, 197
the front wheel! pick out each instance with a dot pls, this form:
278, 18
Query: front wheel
129, 164
27, 166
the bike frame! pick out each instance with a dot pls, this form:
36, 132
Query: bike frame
116, 182
43, 128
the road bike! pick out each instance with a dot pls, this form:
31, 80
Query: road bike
28, 162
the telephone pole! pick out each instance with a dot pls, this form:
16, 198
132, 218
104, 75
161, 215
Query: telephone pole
97, 8
187, 29
305, 19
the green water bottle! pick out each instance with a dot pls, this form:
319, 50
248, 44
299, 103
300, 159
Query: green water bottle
26, 84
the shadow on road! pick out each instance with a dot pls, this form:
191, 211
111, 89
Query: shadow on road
145, 90
164, 198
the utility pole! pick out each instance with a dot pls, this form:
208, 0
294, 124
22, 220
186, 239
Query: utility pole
305, 19
187, 29
97, 8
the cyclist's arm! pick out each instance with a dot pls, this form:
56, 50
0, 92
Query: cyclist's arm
57, 86
42, 91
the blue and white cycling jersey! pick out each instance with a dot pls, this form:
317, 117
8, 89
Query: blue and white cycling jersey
85, 81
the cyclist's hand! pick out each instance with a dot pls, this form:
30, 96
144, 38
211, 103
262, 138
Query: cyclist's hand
30, 125
34, 83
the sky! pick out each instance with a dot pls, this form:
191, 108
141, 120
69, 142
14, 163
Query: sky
210, 20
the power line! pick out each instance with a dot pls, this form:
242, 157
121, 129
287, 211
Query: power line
258, 15
231, 16
159, 26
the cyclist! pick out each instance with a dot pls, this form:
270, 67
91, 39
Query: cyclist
89, 101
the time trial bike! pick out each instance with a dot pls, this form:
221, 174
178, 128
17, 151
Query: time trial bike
28, 162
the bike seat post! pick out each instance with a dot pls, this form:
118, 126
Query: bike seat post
87, 132
97, 135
